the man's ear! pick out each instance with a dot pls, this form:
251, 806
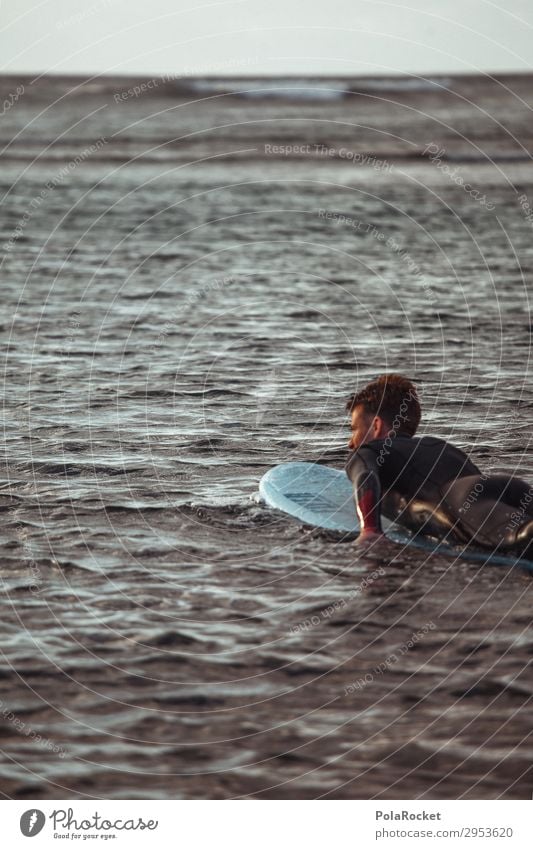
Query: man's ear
376, 426
379, 427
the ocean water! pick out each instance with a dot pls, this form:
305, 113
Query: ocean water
195, 276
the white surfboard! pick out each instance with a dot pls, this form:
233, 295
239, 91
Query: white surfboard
323, 497
317, 495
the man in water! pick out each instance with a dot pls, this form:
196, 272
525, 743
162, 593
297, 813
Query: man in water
424, 483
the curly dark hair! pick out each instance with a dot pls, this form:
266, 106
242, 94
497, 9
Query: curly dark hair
392, 397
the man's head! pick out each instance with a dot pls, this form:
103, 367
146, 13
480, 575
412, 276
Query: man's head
386, 407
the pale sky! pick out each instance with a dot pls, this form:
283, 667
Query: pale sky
249, 37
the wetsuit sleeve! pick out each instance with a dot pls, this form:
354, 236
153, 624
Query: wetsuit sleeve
363, 471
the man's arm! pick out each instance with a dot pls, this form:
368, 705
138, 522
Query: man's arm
363, 471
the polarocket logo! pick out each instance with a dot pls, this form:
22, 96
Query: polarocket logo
31, 822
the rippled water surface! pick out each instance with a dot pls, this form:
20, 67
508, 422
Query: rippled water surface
184, 308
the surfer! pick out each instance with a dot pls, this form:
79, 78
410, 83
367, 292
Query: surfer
425, 483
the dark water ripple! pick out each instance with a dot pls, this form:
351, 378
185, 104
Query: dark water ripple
171, 329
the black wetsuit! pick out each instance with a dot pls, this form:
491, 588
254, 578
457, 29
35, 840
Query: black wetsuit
432, 487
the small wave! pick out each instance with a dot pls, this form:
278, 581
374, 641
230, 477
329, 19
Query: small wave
268, 89
306, 89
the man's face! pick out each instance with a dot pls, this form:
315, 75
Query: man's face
362, 427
